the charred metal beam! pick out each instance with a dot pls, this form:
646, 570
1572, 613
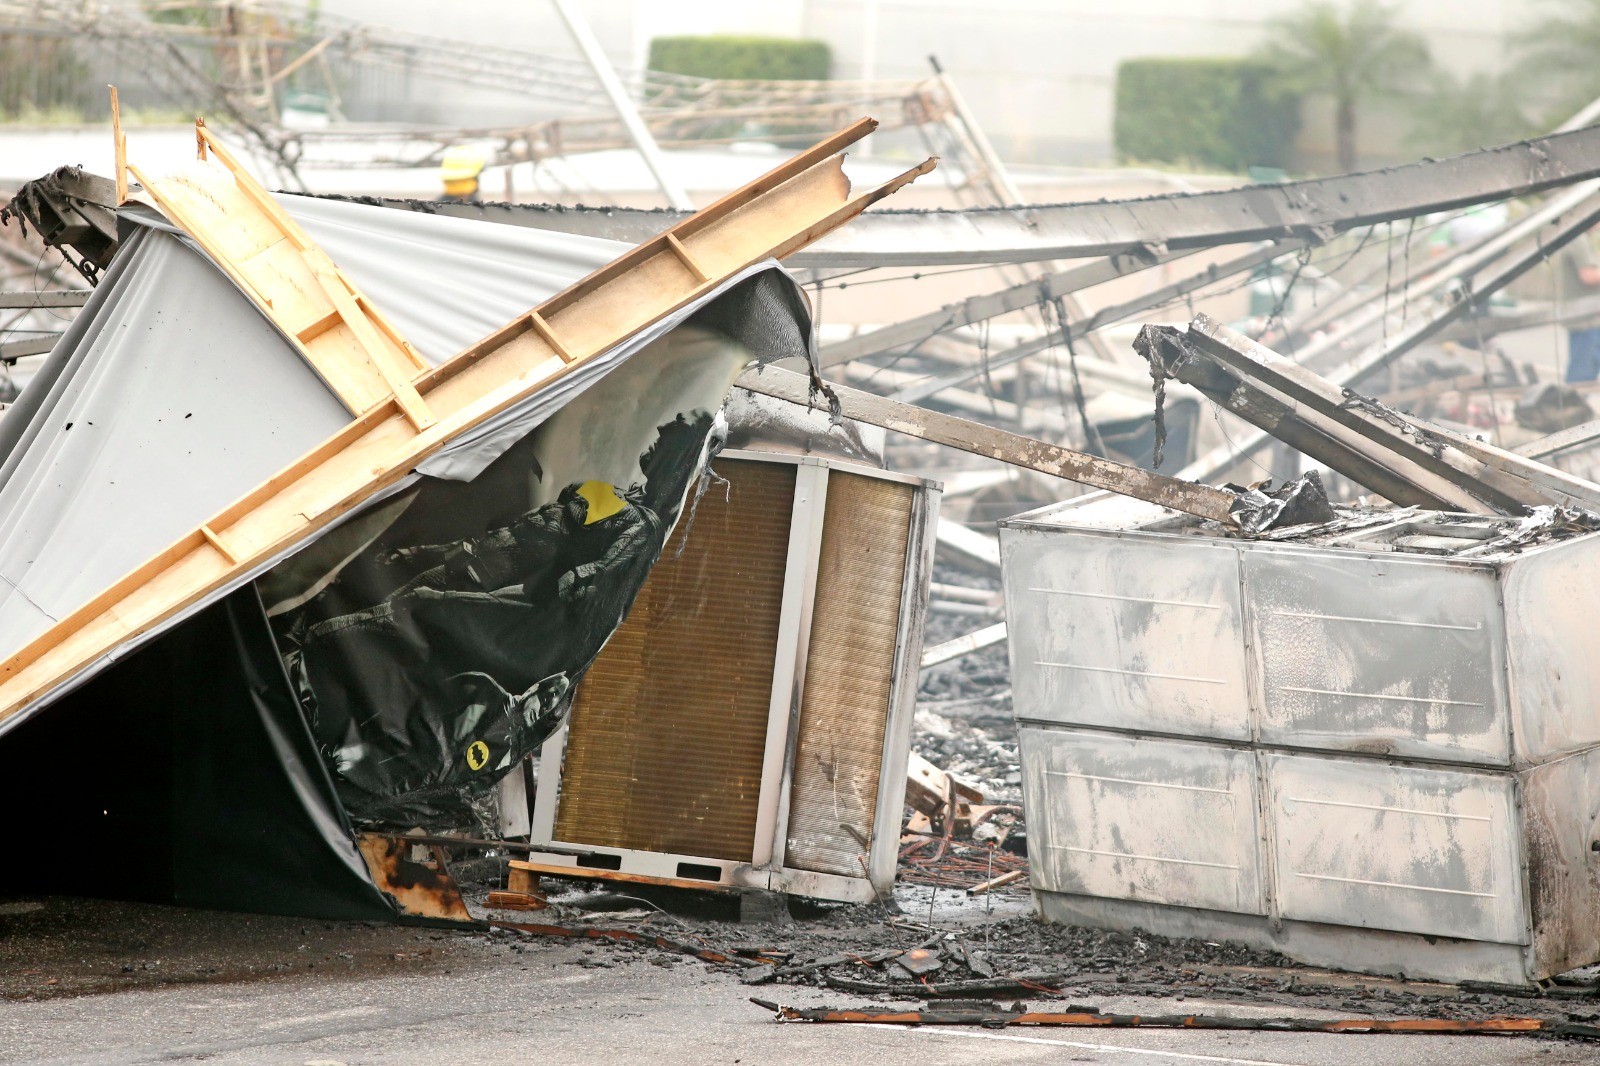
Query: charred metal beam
1475, 279
963, 646
11, 351
1317, 208
27, 301
1165, 347
1106, 316
990, 305
1026, 452
71, 211
1583, 312
1571, 437
1437, 461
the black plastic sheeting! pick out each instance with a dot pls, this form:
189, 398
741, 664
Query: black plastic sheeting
184, 774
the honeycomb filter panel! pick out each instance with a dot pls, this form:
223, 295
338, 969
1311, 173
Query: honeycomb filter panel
855, 626
665, 743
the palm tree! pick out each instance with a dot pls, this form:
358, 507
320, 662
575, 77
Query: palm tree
1559, 53
1352, 55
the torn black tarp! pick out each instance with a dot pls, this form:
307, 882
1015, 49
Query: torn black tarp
434, 644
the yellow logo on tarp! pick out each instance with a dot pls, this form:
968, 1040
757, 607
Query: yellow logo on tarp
477, 755
602, 499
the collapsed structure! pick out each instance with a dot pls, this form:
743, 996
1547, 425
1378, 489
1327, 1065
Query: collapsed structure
370, 586
375, 589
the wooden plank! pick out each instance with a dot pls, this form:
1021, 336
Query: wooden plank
216, 542
542, 328
119, 147
796, 203
355, 349
685, 258
588, 873
367, 336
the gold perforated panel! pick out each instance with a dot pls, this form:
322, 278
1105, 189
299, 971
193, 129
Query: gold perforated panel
849, 670
668, 729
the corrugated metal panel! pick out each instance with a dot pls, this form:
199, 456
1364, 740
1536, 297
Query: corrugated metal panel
1378, 655
662, 754
1163, 821
1112, 631
849, 669
1373, 844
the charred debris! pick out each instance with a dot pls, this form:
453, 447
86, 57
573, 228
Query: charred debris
1251, 680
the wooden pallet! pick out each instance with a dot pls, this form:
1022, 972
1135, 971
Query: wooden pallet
403, 413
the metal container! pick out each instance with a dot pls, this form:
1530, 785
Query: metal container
1376, 746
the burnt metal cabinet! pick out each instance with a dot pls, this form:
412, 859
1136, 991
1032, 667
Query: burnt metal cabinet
748, 726
1376, 748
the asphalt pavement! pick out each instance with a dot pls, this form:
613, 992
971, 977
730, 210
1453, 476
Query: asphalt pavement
559, 1002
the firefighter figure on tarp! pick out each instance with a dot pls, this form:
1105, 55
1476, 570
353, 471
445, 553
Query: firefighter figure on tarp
464, 663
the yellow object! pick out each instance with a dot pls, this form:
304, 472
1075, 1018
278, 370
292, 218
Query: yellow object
461, 162
460, 168
602, 499
477, 755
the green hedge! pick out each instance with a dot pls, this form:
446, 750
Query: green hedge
1214, 113
742, 58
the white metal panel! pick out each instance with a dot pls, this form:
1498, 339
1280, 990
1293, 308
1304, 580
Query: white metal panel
1126, 632
1554, 648
1162, 821
1368, 843
1378, 654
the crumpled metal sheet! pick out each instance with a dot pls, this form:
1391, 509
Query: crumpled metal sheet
1303, 501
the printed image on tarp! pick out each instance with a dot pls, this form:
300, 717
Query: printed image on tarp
434, 642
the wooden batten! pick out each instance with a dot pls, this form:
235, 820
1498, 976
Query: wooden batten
403, 416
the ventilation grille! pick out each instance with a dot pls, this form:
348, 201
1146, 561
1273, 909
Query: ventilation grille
665, 742
855, 625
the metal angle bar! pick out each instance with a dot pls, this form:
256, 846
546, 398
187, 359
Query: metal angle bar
1571, 437
1106, 316
11, 350
1567, 313
1277, 419
1320, 207
993, 1017
778, 212
30, 300
989, 305
1394, 442
638, 132
1581, 219
1026, 452
963, 646
1582, 202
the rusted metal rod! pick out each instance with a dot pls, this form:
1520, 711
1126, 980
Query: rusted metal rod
1203, 501
1092, 1019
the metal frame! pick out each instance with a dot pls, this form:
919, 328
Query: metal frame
1316, 209
766, 868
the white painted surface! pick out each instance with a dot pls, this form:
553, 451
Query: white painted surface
1128, 633
1381, 654
1372, 844
1160, 821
